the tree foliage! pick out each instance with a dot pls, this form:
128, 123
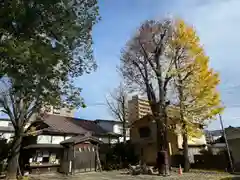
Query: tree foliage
46, 44
166, 55
195, 82
43, 46
146, 68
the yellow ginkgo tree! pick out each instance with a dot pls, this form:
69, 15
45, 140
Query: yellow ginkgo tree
195, 83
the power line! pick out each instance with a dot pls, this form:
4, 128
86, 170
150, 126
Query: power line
96, 104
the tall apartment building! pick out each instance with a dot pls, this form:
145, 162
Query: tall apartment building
53, 110
59, 111
137, 108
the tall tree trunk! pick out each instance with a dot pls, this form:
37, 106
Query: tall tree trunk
163, 129
14, 157
184, 130
185, 152
166, 146
166, 140
124, 131
162, 149
160, 139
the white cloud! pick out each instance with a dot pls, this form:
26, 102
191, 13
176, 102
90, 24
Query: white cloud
217, 25
216, 22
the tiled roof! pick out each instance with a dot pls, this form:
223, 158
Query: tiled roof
89, 126
69, 125
4, 119
63, 124
33, 146
79, 139
109, 121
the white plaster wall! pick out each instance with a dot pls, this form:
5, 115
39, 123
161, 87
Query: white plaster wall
67, 137
117, 129
47, 139
4, 123
44, 139
192, 140
7, 136
57, 139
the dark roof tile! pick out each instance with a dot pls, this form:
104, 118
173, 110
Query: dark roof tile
80, 138
63, 124
72, 125
89, 126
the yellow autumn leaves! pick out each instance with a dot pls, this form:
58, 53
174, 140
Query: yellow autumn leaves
198, 82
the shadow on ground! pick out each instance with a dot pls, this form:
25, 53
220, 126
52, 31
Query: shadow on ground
231, 178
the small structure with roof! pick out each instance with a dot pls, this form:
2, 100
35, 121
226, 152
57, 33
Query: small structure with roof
80, 154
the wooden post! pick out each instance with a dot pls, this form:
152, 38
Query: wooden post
226, 142
98, 160
73, 159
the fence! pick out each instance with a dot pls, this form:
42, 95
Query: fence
208, 161
117, 156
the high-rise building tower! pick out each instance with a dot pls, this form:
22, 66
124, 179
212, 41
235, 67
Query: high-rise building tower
59, 111
137, 108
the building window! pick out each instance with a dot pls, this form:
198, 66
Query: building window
44, 139
57, 139
56, 110
144, 132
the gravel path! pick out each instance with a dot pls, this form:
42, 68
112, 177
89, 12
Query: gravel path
118, 175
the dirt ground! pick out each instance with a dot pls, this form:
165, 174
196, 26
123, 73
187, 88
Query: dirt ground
121, 175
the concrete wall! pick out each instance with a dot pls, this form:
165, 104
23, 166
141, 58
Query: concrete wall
234, 146
106, 125
59, 111
233, 138
232, 133
147, 147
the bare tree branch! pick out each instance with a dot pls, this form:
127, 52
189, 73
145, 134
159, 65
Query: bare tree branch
117, 104
145, 61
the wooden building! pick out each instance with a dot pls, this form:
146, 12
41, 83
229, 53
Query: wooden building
80, 154
44, 152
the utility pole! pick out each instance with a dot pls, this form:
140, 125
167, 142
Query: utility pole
226, 142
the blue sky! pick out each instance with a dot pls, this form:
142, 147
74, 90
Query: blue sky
216, 22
